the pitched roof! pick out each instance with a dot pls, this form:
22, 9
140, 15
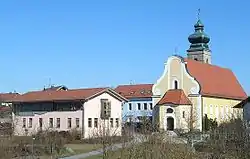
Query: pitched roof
61, 95
135, 91
215, 81
8, 96
175, 96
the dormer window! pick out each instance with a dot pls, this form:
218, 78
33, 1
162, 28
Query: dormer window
175, 84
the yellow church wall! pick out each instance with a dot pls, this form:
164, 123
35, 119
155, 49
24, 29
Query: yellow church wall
174, 70
196, 111
220, 108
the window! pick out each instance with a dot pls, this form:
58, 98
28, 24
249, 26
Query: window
58, 123
30, 122
207, 61
51, 122
40, 122
196, 59
77, 122
96, 122
151, 106
139, 106
145, 106
24, 122
175, 84
211, 111
111, 122
170, 110
105, 108
183, 114
90, 122
117, 122
130, 106
69, 123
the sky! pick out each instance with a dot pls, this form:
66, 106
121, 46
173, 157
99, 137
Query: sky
95, 43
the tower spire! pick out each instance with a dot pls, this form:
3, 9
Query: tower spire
199, 40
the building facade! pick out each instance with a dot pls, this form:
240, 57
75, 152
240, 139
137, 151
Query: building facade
192, 87
140, 103
244, 106
91, 112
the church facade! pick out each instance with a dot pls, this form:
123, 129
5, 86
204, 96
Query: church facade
191, 88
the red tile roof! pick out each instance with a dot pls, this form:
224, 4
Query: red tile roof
135, 91
61, 95
8, 96
175, 96
215, 81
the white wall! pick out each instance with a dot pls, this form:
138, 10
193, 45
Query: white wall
63, 115
92, 109
179, 121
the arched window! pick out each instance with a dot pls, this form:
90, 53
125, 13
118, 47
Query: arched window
175, 84
170, 110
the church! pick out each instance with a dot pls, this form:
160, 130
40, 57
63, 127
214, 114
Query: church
192, 87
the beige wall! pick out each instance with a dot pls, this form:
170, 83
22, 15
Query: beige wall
20, 130
181, 122
175, 70
92, 109
220, 108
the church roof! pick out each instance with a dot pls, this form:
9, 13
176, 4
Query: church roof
135, 91
215, 81
175, 96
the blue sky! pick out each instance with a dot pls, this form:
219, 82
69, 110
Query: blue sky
92, 43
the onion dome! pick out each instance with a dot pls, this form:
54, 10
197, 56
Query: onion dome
199, 39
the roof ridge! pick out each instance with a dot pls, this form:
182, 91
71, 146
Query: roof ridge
135, 84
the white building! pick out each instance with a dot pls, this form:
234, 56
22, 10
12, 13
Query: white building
88, 111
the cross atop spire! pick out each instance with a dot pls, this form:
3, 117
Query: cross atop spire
198, 14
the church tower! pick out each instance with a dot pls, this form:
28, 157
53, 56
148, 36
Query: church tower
199, 49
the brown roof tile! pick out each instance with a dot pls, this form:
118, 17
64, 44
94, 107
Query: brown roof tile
175, 96
73, 94
135, 91
8, 96
215, 81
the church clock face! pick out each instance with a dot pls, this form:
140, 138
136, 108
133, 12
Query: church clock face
157, 91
